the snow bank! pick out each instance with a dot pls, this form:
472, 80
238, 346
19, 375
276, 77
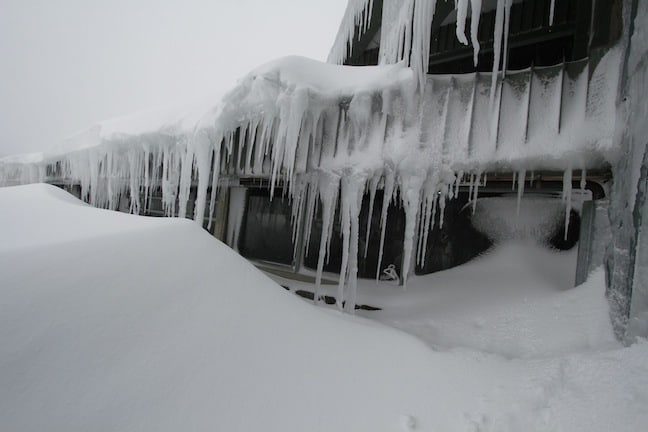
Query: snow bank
118, 322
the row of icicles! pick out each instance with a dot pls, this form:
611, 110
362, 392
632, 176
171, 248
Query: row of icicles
172, 170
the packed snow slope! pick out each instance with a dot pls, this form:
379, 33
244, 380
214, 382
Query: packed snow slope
111, 321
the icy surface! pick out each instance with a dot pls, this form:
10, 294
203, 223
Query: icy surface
118, 322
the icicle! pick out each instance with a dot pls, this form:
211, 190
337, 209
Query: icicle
507, 24
421, 227
567, 196
513, 181
169, 188
156, 176
387, 197
134, 165
430, 196
346, 234
109, 182
520, 191
214, 181
203, 156
551, 12
329, 185
311, 209
410, 187
147, 178
185, 182
252, 131
373, 185
351, 200
424, 220
497, 49
240, 147
474, 198
422, 34
474, 28
297, 200
431, 221
583, 180
459, 178
462, 12
442, 203
471, 185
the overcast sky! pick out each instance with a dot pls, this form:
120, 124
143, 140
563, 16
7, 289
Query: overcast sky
66, 64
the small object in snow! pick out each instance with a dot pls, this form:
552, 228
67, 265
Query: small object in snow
389, 274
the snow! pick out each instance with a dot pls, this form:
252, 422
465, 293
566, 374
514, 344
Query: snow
113, 321
535, 217
25, 158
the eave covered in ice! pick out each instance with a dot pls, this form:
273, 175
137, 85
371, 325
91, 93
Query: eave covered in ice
298, 116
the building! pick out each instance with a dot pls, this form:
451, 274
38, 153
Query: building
320, 170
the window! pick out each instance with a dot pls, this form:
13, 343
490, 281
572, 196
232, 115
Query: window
266, 231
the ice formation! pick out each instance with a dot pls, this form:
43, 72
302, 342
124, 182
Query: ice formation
333, 132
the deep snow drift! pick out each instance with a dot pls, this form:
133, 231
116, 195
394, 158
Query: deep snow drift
112, 321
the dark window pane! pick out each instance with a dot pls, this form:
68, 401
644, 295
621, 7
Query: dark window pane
266, 233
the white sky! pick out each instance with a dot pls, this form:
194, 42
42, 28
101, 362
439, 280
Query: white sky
66, 64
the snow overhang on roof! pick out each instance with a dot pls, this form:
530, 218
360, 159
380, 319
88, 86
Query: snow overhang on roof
302, 116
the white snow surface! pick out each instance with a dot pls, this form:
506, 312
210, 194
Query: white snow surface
112, 321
